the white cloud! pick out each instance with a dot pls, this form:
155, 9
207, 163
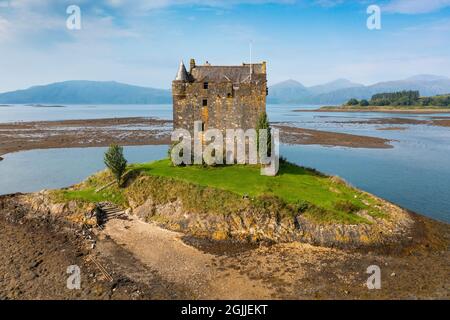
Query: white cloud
5, 27
415, 6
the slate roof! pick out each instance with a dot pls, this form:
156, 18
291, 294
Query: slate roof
182, 74
235, 74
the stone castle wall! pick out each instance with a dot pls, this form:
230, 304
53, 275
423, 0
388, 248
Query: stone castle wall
229, 105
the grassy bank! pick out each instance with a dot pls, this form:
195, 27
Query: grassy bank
224, 189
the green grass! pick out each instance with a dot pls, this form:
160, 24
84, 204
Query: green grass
293, 184
323, 199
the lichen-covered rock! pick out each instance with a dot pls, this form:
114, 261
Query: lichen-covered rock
250, 225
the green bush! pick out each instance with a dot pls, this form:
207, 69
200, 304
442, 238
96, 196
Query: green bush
115, 161
263, 123
364, 103
352, 102
346, 206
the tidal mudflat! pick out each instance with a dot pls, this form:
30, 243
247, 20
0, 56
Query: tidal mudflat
20, 136
83, 133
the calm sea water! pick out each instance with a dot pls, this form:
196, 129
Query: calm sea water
414, 174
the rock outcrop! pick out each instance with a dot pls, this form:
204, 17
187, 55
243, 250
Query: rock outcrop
249, 225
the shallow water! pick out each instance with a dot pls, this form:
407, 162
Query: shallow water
34, 170
414, 174
69, 112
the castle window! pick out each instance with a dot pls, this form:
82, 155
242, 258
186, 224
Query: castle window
205, 102
203, 126
205, 85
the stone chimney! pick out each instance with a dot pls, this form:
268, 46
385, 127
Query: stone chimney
191, 65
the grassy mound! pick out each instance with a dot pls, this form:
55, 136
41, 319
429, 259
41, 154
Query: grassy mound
221, 189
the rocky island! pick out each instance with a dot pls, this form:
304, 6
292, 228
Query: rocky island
298, 235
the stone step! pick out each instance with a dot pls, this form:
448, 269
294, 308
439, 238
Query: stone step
110, 211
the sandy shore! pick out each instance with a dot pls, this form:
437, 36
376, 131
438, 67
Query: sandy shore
142, 131
148, 262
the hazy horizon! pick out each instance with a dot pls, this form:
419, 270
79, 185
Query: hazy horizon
142, 42
168, 88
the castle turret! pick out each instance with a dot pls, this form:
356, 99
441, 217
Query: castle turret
182, 74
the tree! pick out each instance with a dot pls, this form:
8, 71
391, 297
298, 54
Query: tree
115, 161
263, 123
352, 102
364, 103
401, 98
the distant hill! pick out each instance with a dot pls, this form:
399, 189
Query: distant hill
286, 92
340, 91
333, 86
83, 92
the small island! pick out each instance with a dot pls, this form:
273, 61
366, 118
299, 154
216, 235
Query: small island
202, 232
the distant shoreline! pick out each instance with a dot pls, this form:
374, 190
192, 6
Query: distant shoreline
45, 106
409, 110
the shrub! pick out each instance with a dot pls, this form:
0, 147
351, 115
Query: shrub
346, 206
364, 103
302, 206
115, 161
352, 102
263, 123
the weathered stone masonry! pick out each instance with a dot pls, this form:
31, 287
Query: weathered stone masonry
222, 97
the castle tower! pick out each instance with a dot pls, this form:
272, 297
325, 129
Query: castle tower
222, 97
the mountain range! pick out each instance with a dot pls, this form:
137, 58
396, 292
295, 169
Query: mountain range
83, 92
341, 90
286, 92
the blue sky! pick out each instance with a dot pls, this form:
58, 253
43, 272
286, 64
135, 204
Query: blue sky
142, 41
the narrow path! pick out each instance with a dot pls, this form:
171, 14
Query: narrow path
163, 251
